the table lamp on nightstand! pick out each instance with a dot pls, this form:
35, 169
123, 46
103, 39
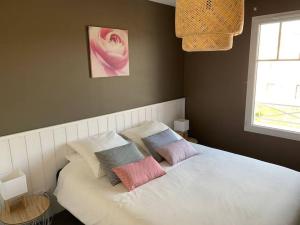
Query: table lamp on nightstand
181, 126
13, 187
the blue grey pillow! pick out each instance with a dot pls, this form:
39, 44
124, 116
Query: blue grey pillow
118, 156
158, 140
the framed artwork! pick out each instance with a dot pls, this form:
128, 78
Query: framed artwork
109, 53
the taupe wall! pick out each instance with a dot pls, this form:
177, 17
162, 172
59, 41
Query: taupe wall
45, 80
215, 87
44, 67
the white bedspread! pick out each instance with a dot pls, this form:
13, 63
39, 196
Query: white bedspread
213, 188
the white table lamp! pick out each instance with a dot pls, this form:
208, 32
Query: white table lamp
13, 185
181, 125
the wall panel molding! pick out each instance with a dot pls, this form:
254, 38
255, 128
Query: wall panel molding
41, 153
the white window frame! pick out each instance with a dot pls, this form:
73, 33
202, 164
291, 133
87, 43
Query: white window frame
251, 83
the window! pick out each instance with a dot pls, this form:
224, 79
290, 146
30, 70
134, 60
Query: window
273, 88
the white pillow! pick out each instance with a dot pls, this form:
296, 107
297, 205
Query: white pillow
73, 157
146, 129
87, 147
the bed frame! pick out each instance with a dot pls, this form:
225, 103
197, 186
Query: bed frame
41, 153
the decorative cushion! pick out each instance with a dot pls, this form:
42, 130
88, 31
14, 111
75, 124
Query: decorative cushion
118, 156
177, 151
87, 147
146, 129
157, 140
138, 173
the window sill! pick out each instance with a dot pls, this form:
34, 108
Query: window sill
275, 132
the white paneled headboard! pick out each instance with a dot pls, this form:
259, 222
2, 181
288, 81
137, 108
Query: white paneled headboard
41, 153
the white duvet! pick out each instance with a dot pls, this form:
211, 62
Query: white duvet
213, 188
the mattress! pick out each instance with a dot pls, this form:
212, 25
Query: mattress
213, 188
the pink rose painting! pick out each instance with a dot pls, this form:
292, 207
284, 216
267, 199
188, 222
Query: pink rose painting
108, 52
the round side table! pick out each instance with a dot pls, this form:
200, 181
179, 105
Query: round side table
35, 211
193, 140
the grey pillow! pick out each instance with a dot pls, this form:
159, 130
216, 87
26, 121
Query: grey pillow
118, 156
158, 140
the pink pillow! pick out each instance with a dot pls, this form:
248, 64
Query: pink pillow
138, 173
177, 151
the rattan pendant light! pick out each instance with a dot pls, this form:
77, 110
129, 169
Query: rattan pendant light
209, 25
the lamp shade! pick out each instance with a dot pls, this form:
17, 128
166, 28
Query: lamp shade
207, 42
209, 25
13, 185
181, 125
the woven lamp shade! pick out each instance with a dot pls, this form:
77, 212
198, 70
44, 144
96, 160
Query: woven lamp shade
209, 25
207, 42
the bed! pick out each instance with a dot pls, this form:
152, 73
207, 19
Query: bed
212, 188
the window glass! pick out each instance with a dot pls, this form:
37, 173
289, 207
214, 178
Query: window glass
290, 40
268, 41
277, 100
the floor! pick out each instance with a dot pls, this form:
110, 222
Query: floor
65, 218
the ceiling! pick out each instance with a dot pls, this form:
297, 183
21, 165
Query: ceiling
166, 2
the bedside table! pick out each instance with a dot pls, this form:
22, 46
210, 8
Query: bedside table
193, 140
36, 209
186, 137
